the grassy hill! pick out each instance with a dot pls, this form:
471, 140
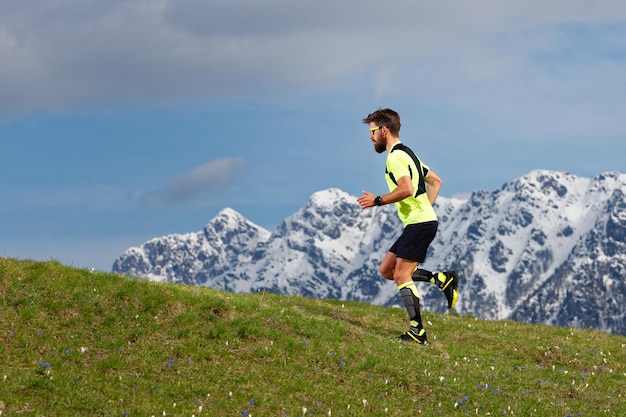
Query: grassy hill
77, 343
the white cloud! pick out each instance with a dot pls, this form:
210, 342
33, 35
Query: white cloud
213, 175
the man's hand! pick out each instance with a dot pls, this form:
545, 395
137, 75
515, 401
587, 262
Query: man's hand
366, 200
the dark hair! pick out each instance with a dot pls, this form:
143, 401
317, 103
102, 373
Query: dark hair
385, 117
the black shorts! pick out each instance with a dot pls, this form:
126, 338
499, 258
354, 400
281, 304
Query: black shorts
414, 241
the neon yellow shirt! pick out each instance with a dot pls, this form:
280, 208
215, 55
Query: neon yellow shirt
401, 161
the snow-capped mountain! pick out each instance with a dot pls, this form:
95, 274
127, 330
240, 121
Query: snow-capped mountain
549, 247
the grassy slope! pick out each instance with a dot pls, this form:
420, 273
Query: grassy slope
74, 342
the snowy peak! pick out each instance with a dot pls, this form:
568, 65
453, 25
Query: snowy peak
228, 221
326, 199
227, 218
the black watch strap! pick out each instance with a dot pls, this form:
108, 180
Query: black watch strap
378, 201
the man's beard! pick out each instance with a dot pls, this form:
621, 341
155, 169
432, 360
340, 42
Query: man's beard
380, 147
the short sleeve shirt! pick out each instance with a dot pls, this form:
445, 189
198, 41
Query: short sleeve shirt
400, 163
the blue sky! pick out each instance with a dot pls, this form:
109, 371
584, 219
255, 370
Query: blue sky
125, 120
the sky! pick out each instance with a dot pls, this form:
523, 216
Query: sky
125, 120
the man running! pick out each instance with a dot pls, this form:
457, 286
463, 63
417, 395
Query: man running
413, 188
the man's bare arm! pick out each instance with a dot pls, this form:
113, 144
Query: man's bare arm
434, 186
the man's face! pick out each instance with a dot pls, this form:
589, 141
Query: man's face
378, 137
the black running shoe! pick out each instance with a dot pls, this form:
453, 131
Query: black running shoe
413, 335
450, 286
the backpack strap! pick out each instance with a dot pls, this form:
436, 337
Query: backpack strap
421, 184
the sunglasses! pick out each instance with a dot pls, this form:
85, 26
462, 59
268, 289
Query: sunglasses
374, 129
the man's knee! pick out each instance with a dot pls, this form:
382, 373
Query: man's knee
386, 271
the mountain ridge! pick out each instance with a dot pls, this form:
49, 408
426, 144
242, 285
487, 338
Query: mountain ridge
525, 252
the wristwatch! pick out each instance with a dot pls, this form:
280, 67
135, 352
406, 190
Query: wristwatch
378, 201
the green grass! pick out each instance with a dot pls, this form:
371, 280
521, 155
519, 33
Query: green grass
77, 343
